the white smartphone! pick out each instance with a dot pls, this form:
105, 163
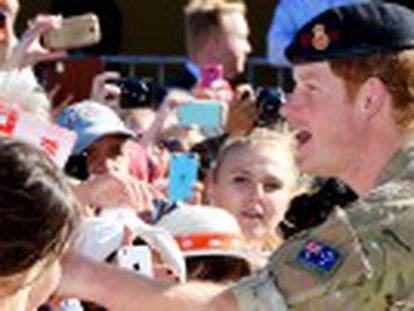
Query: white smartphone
135, 258
78, 31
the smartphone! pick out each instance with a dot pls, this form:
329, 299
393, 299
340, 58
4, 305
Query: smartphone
75, 32
139, 93
183, 172
135, 93
209, 74
135, 258
202, 112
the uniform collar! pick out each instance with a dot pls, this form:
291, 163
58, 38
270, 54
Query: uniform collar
398, 164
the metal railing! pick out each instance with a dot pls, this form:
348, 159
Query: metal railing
162, 61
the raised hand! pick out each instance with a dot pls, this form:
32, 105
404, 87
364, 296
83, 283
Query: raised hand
29, 51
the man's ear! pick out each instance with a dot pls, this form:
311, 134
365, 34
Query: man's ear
372, 97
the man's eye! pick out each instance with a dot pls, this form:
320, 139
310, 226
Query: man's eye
272, 186
312, 87
240, 180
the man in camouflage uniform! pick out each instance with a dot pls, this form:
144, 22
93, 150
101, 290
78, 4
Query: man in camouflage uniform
353, 110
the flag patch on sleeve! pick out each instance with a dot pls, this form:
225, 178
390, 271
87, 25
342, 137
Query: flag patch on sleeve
318, 257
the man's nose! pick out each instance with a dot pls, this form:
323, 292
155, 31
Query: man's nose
292, 104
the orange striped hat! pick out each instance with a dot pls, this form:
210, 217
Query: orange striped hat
205, 231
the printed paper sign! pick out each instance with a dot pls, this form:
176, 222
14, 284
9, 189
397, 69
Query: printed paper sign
53, 140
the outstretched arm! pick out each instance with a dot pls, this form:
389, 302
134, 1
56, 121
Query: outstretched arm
119, 289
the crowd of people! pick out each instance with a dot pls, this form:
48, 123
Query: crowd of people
204, 194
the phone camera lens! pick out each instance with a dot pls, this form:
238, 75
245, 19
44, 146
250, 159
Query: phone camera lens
136, 266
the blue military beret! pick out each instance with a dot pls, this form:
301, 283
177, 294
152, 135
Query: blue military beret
351, 31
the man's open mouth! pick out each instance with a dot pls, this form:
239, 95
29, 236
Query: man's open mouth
302, 137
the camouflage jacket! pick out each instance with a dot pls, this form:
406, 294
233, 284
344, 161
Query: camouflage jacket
361, 258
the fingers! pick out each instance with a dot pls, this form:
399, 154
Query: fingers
164, 272
110, 91
242, 116
244, 92
101, 90
104, 77
197, 194
28, 52
134, 192
44, 22
119, 188
177, 97
38, 27
144, 197
155, 193
247, 107
39, 54
220, 91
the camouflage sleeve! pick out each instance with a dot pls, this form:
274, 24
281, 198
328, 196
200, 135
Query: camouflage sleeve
322, 269
258, 293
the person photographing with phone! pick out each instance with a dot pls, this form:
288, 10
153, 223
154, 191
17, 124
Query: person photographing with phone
19, 55
217, 43
28, 49
216, 32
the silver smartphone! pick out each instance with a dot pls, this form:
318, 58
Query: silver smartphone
75, 32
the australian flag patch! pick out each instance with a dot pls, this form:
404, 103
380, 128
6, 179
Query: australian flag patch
318, 257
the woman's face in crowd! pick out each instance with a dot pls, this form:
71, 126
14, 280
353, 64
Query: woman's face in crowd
255, 184
103, 149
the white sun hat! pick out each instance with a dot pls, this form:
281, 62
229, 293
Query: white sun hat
205, 231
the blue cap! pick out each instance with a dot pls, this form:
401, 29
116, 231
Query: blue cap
91, 121
352, 31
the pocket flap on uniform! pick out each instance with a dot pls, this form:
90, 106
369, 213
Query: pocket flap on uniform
325, 259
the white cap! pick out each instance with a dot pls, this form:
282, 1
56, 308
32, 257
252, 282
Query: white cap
205, 231
99, 237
